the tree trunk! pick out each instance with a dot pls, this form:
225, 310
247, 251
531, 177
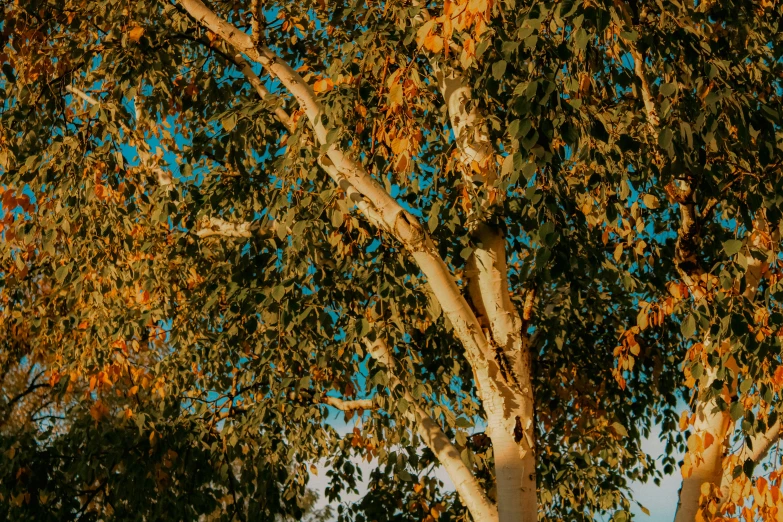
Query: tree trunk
710, 469
515, 468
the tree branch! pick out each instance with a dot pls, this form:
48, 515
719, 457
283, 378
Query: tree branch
470, 491
649, 105
81, 94
215, 226
343, 405
212, 226
348, 172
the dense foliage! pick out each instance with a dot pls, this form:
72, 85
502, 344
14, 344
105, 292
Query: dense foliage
187, 296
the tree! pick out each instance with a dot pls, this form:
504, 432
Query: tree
504, 238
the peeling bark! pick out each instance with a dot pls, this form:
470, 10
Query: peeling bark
510, 416
510, 410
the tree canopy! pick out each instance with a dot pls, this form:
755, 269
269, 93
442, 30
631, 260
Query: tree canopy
503, 238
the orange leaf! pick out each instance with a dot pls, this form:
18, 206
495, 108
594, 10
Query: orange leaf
143, 297
136, 33
323, 85
687, 467
98, 411
469, 46
778, 377
82, 325
402, 163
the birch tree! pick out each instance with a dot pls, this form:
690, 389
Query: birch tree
502, 239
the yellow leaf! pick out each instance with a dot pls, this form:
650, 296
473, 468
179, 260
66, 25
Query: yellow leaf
394, 98
424, 31
433, 43
477, 6
650, 201
399, 145
136, 33
695, 443
618, 252
643, 320
684, 420
134, 390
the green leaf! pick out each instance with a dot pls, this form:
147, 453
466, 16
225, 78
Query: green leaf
404, 476
688, 326
732, 246
581, 38
278, 292
61, 272
665, 138
667, 89
9, 72
499, 69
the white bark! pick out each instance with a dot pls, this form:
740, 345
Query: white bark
649, 105
343, 405
510, 411
215, 226
390, 215
470, 491
511, 417
346, 171
717, 424
81, 94
761, 443
713, 423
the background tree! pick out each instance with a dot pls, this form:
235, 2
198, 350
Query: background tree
505, 238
